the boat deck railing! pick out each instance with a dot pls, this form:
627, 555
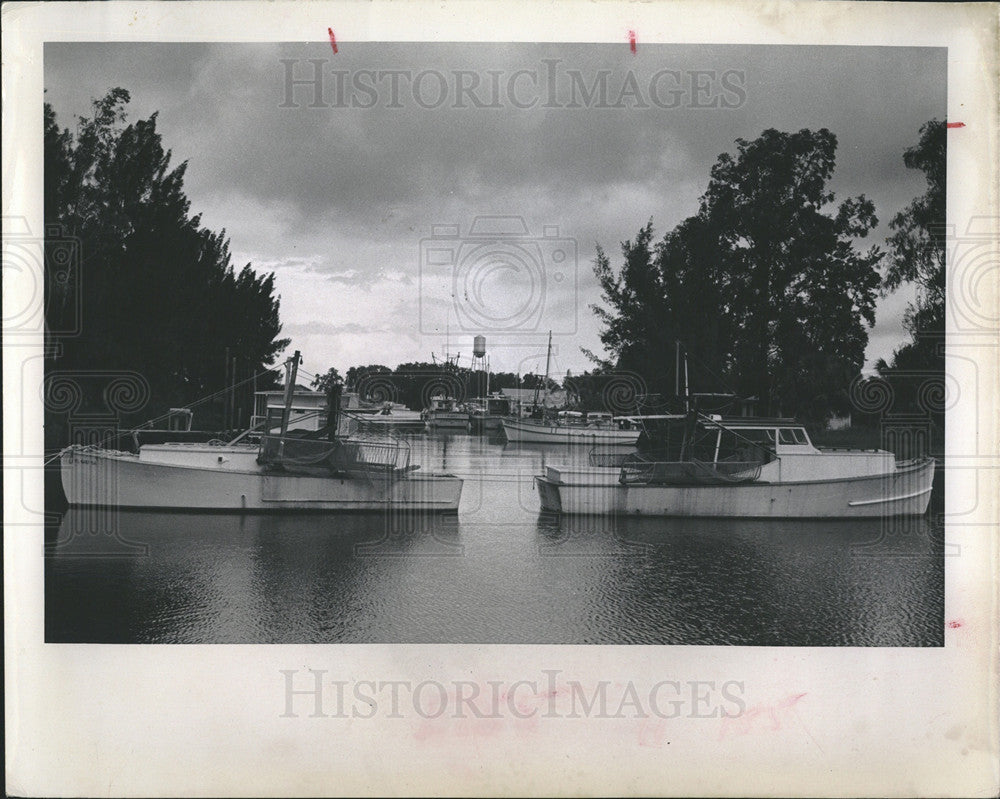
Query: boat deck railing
689, 472
343, 455
379, 454
611, 455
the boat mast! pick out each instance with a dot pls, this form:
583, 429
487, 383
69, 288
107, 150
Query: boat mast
291, 372
677, 369
677, 376
548, 358
687, 389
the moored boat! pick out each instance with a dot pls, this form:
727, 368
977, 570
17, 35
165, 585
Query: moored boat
286, 470
741, 468
486, 413
446, 413
280, 474
392, 417
570, 431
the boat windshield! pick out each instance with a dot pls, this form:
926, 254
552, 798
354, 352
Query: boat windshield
759, 435
792, 435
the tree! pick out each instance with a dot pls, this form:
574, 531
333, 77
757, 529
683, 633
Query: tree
325, 381
158, 293
532, 381
499, 380
763, 285
357, 373
917, 252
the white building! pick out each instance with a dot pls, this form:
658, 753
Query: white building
525, 398
308, 410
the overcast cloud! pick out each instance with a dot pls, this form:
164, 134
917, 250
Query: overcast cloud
345, 204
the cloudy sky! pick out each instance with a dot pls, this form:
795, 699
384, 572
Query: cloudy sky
359, 184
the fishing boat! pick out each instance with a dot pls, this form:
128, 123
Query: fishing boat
392, 416
283, 470
567, 427
394, 419
571, 430
742, 467
446, 413
486, 413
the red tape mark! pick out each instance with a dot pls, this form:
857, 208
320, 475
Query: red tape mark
631, 41
333, 39
955, 125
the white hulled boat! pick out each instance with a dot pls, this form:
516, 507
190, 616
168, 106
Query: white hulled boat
568, 427
486, 413
354, 474
446, 413
741, 468
297, 470
570, 430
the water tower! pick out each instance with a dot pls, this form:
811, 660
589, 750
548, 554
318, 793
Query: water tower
480, 363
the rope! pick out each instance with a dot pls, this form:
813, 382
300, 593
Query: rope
149, 422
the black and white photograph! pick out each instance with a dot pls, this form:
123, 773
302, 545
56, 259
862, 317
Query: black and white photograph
593, 351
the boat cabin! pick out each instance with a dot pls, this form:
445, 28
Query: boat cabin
781, 436
783, 449
493, 405
440, 404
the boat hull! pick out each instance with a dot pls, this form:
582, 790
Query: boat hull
485, 424
905, 492
124, 480
378, 423
528, 433
448, 421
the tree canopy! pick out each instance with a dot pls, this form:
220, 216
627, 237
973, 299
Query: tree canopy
326, 381
917, 252
764, 285
156, 291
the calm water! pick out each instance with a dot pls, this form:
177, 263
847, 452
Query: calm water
499, 572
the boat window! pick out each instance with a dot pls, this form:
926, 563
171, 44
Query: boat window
785, 436
800, 435
758, 435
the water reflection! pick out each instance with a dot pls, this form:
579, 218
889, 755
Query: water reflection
230, 577
757, 582
499, 572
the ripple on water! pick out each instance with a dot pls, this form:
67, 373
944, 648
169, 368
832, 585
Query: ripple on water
500, 572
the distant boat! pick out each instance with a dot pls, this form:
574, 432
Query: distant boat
446, 413
392, 416
596, 429
568, 427
741, 468
486, 413
287, 470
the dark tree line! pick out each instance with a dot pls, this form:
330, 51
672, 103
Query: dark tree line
766, 285
412, 384
917, 252
155, 292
